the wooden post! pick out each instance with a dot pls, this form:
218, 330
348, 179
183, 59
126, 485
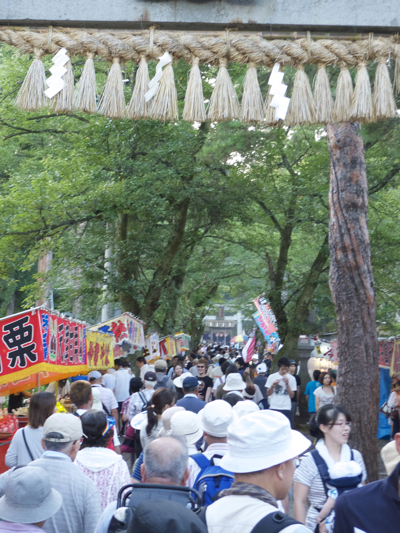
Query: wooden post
352, 288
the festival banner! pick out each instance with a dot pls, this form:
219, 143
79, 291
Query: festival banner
171, 346
248, 349
152, 344
385, 353
163, 348
265, 320
99, 350
395, 362
37, 341
182, 341
128, 333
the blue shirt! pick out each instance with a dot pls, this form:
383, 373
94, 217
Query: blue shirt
310, 388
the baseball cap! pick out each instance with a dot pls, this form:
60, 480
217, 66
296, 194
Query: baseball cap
94, 374
150, 376
261, 368
261, 440
189, 382
28, 496
292, 362
160, 364
216, 417
70, 427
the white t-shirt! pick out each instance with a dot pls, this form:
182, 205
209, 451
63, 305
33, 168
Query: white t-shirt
123, 379
109, 381
324, 398
280, 398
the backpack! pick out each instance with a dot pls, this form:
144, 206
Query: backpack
161, 383
272, 523
211, 478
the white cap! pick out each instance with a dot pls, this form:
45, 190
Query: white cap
216, 417
234, 382
139, 419
94, 374
261, 368
187, 424
260, 440
244, 408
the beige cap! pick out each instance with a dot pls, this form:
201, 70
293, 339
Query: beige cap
160, 364
70, 427
390, 456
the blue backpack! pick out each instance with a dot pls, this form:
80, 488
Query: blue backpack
211, 479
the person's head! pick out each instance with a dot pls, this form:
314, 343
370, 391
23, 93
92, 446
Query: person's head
124, 363
175, 360
167, 415
189, 385
331, 423
162, 399
165, 516
240, 363
160, 366
150, 380
117, 363
283, 366
231, 369
41, 406
215, 419
178, 369
62, 433
234, 382
261, 369
325, 378
140, 361
232, 398
316, 375
95, 377
224, 366
397, 385
186, 424
135, 385
262, 449
61, 383
97, 431
28, 497
202, 366
80, 394
249, 392
165, 462
292, 367
244, 408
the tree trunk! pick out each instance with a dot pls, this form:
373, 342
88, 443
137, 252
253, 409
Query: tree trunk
352, 287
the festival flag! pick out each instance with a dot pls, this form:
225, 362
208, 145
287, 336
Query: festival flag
248, 350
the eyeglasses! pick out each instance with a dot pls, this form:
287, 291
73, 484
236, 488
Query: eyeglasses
343, 424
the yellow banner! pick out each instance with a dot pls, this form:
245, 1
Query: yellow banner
99, 350
171, 346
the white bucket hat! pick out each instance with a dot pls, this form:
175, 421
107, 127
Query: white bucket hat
260, 440
97, 399
244, 408
178, 382
187, 424
139, 419
216, 417
234, 382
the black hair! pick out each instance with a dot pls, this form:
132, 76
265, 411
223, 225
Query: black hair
327, 416
240, 361
283, 361
232, 398
224, 366
41, 407
221, 361
124, 363
160, 399
316, 375
117, 362
94, 422
135, 385
232, 369
56, 446
141, 359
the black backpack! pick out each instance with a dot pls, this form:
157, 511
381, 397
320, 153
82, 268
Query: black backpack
162, 383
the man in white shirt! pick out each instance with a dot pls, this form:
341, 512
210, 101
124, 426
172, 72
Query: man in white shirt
214, 421
122, 380
59, 388
281, 387
261, 454
109, 379
110, 404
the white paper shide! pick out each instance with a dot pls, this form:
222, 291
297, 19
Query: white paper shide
55, 83
278, 89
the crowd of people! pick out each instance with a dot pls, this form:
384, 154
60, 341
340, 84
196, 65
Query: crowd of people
204, 444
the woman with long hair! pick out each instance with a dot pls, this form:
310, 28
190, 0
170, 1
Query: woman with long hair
325, 395
331, 427
26, 445
162, 399
248, 377
178, 370
103, 466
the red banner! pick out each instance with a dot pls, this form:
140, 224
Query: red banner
395, 360
267, 317
385, 353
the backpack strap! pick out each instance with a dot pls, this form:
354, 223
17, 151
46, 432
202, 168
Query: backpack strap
274, 523
164, 380
322, 469
143, 398
26, 444
201, 460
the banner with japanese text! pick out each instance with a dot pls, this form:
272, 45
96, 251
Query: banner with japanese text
128, 333
395, 362
171, 346
182, 341
385, 353
265, 317
152, 344
99, 350
39, 340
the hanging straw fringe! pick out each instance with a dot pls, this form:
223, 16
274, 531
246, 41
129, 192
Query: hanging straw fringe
396, 84
224, 104
269, 111
165, 103
322, 96
252, 100
361, 106
384, 104
64, 100
31, 95
85, 96
112, 103
301, 108
344, 96
194, 110
138, 107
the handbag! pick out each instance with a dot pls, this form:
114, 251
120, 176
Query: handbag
389, 412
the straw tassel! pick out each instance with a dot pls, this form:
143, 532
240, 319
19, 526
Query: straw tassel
85, 96
397, 70
224, 104
269, 111
361, 105
384, 104
31, 95
165, 103
302, 107
112, 103
64, 100
194, 110
138, 107
344, 96
252, 100
322, 96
